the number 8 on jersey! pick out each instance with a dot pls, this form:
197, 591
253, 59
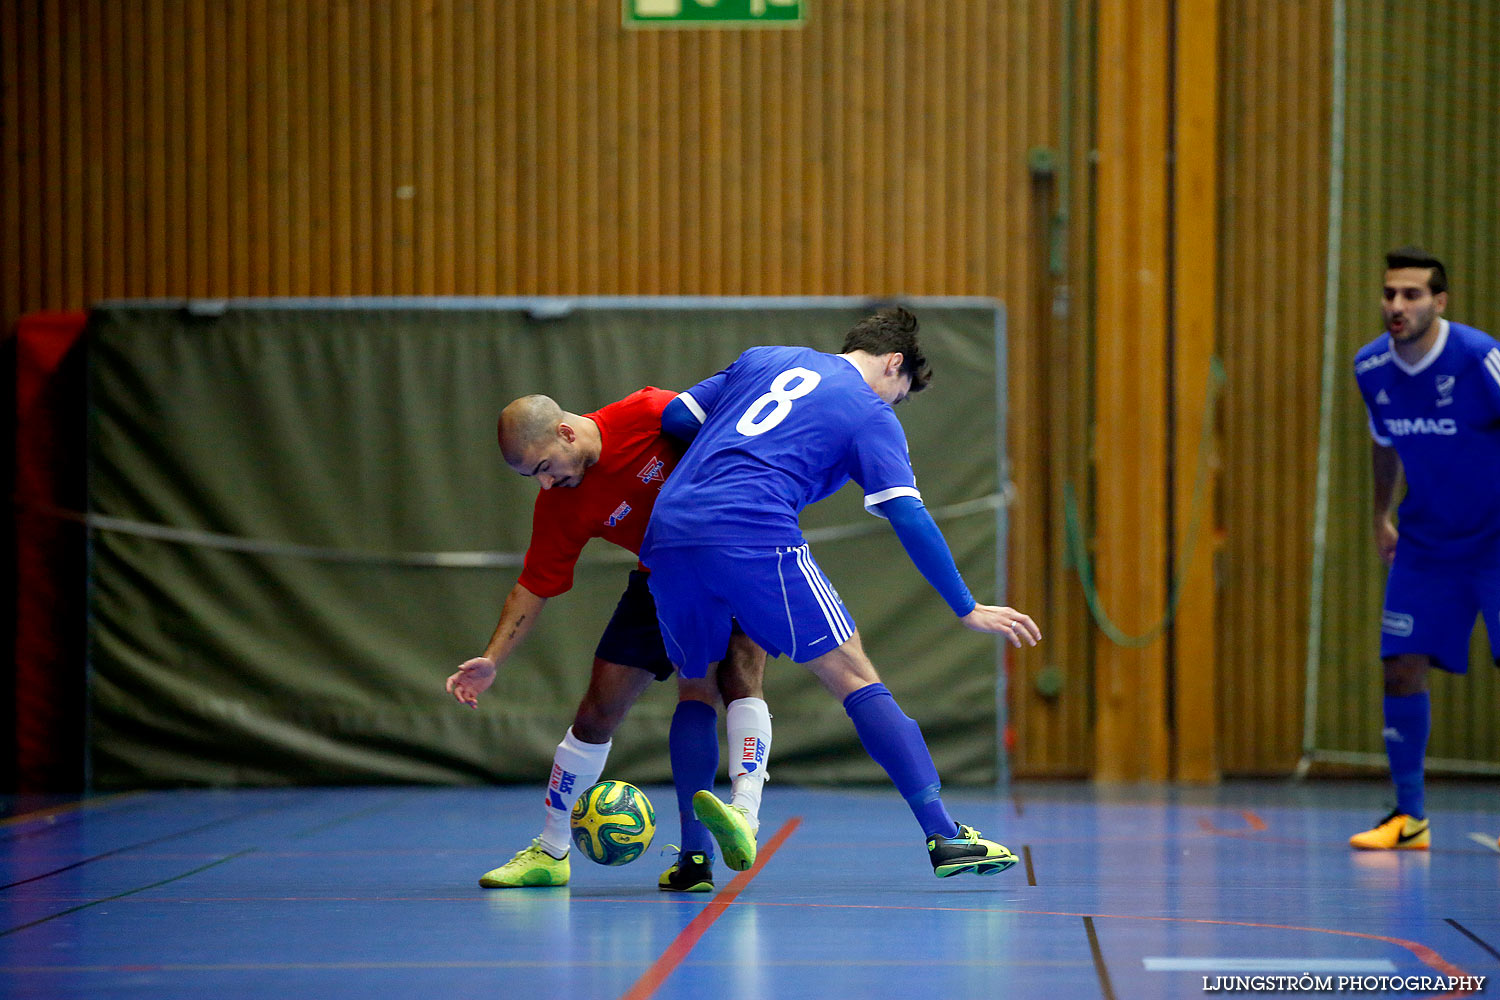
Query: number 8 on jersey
782, 393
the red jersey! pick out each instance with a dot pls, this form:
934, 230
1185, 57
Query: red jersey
615, 498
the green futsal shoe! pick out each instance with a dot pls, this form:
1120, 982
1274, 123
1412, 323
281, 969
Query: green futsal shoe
693, 872
531, 867
968, 853
731, 826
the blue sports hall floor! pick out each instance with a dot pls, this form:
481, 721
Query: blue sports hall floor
370, 892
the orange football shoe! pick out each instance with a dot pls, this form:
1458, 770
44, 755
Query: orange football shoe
1397, 832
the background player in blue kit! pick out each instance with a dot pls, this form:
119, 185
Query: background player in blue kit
1432, 389
781, 428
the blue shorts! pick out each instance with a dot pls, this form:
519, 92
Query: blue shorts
632, 638
1430, 609
781, 598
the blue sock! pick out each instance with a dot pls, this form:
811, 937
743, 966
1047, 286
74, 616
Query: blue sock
693, 744
1408, 718
896, 744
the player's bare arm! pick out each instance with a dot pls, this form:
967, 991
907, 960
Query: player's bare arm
1387, 468
517, 618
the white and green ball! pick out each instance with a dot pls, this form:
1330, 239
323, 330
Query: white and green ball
613, 823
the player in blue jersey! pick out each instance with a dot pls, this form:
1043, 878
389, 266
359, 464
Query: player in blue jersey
1432, 388
781, 428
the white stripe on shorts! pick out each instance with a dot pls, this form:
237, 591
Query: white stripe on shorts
823, 591
786, 602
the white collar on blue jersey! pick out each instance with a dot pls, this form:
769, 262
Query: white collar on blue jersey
1428, 358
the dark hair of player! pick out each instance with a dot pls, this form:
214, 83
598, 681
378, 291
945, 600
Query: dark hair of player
890, 330
1410, 256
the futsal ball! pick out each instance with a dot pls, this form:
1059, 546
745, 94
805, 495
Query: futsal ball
613, 823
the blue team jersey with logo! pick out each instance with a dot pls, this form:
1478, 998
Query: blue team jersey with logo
783, 427
1442, 415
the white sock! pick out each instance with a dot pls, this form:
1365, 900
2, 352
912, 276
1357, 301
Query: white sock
748, 722
575, 767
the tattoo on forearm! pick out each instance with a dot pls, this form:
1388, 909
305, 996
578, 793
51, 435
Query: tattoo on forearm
516, 628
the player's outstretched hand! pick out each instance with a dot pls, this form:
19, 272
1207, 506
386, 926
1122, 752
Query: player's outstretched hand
1009, 622
472, 679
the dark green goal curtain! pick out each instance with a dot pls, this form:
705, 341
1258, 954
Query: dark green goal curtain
307, 458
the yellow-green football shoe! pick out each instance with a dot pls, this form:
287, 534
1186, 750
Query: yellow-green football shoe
531, 867
731, 827
967, 853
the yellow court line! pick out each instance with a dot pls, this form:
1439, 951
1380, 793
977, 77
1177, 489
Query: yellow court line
67, 807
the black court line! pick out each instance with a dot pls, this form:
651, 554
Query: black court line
1030, 871
144, 843
1015, 802
1105, 986
357, 814
1474, 937
127, 892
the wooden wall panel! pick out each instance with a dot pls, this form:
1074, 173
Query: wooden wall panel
296, 147
231, 148
1435, 64
1440, 66
1056, 731
1193, 663
1273, 220
1133, 281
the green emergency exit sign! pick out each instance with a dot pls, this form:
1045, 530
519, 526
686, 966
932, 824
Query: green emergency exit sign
715, 13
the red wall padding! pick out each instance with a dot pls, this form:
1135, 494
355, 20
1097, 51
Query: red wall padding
51, 552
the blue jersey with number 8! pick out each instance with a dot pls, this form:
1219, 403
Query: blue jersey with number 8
783, 427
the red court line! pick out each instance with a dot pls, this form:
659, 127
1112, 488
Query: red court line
678, 950
1257, 825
